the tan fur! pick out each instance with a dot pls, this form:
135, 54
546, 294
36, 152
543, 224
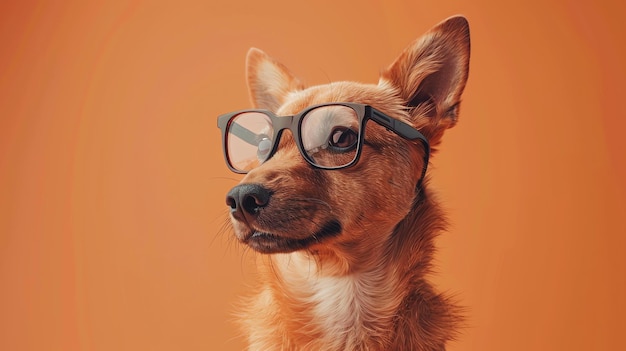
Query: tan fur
366, 288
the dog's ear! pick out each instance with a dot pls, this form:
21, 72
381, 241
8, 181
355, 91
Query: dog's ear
431, 73
269, 81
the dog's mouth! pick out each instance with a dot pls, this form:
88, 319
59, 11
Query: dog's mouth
268, 243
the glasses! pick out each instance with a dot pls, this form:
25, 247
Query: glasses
329, 136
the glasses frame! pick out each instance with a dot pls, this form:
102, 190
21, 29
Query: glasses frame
294, 123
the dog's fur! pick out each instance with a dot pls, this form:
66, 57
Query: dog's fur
364, 287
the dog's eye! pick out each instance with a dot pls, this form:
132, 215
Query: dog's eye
343, 138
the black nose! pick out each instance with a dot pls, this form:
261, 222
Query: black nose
247, 199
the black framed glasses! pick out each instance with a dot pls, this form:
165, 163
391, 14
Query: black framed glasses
329, 136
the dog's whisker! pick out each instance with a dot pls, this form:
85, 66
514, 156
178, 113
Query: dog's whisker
223, 229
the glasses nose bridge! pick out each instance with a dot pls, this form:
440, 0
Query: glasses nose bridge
281, 123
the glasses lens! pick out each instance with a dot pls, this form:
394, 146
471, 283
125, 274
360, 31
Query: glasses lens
249, 140
330, 135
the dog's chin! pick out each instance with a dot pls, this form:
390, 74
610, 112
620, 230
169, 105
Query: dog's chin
269, 243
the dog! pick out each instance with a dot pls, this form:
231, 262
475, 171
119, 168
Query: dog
336, 198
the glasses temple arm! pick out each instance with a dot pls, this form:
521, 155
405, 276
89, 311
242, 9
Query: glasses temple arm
406, 131
244, 134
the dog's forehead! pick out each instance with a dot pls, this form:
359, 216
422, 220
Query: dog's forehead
297, 101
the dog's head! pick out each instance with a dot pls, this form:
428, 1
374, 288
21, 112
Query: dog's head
286, 204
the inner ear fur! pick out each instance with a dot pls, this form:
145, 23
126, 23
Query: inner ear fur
269, 81
430, 74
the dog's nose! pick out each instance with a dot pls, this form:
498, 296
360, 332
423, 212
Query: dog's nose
247, 200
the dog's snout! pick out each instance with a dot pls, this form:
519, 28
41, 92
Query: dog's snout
247, 199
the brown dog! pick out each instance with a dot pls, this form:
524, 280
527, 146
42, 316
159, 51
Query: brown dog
340, 204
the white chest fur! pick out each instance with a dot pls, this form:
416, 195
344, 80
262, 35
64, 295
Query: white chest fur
346, 309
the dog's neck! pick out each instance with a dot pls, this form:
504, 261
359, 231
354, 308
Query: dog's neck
343, 308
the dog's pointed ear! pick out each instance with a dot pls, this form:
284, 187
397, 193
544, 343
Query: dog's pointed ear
269, 81
431, 73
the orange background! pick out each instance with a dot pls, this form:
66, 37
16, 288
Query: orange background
112, 181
